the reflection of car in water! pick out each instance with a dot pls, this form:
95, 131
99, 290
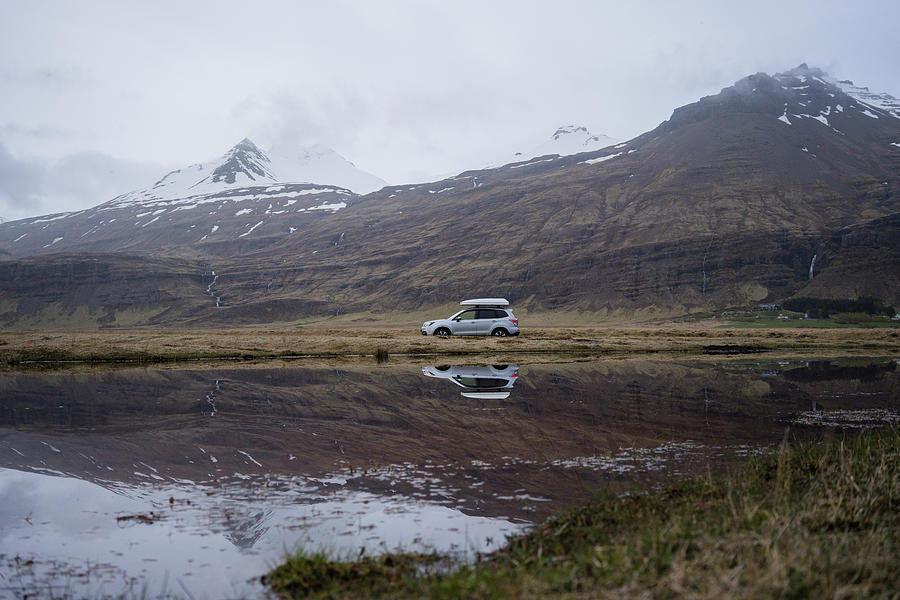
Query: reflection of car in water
482, 316
487, 383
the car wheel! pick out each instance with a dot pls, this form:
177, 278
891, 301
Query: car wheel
499, 332
442, 332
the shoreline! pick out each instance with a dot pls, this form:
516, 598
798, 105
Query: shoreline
45, 349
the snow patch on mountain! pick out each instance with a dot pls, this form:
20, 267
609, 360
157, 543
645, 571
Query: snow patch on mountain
594, 161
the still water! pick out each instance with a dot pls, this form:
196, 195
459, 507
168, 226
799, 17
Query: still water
193, 482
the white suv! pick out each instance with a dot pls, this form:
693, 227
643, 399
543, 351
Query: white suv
482, 316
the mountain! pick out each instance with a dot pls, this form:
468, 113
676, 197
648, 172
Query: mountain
244, 195
245, 165
778, 186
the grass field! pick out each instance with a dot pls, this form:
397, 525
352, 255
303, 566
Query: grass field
810, 521
20, 347
813, 324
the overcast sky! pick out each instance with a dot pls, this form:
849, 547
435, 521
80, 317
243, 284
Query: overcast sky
99, 98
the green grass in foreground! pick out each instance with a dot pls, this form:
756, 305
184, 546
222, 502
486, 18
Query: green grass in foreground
810, 521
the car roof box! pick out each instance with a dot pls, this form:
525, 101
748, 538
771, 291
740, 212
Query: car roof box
493, 302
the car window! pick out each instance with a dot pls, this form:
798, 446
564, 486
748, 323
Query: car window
466, 315
482, 382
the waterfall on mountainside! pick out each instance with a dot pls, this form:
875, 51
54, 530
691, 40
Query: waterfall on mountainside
703, 266
209, 289
812, 264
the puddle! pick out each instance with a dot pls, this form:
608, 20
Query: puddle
193, 483
204, 541
849, 419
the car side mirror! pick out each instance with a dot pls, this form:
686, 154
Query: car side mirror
456, 319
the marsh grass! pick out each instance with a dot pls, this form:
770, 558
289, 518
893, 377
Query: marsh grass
366, 576
807, 521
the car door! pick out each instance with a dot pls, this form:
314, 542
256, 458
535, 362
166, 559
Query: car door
465, 322
485, 321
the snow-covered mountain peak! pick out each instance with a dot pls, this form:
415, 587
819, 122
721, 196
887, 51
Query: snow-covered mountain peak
246, 165
885, 102
569, 129
246, 160
578, 132
803, 76
320, 164
566, 140
570, 139
802, 71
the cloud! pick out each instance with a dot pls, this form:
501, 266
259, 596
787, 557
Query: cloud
30, 186
8, 130
88, 179
51, 76
283, 117
20, 182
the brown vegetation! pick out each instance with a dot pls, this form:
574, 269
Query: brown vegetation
17, 347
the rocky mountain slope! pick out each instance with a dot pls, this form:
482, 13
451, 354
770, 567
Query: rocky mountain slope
777, 186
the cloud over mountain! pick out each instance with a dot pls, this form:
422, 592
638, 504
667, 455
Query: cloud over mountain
31, 186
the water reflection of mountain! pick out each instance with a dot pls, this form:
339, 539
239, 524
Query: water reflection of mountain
145, 426
244, 532
826, 370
